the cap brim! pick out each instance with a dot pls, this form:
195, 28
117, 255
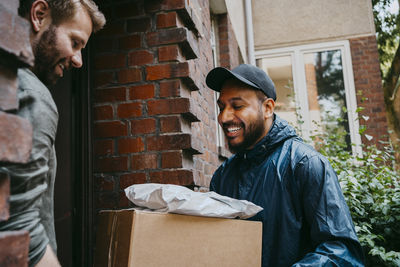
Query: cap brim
216, 78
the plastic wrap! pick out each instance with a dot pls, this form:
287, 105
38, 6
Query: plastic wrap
181, 200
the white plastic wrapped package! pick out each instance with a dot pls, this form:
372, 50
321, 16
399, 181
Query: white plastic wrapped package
181, 200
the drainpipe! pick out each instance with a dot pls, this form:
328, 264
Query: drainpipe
249, 32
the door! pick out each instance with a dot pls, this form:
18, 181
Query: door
73, 190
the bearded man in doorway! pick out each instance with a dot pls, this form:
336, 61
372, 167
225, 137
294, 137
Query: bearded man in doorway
60, 29
306, 221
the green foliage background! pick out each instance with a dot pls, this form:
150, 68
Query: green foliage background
371, 186
387, 26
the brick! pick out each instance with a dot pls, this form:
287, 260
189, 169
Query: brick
146, 91
155, 6
168, 142
105, 183
144, 161
129, 110
170, 124
15, 138
103, 112
4, 196
106, 200
143, 126
167, 20
131, 178
14, 248
165, 71
168, 106
129, 10
110, 129
110, 61
170, 53
170, 88
138, 25
129, 75
180, 36
130, 42
179, 177
113, 164
368, 81
166, 36
130, 145
8, 89
171, 160
140, 57
110, 95
15, 41
102, 79
123, 202
104, 147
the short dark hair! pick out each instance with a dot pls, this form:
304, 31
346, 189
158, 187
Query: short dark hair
260, 95
61, 10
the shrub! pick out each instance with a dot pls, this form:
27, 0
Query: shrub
371, 186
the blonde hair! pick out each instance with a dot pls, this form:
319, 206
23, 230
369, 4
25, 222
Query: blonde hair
61, 10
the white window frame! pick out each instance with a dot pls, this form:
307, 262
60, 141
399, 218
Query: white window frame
215, 50
300, 87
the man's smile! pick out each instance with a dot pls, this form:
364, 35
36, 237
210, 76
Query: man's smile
232, 131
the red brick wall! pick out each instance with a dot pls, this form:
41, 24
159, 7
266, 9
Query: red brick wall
15, 132
368, 85
229, 55
154, 117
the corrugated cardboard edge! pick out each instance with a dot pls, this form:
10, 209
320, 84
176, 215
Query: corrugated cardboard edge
109, 237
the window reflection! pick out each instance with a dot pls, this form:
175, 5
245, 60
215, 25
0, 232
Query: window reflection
279, 69
326, 93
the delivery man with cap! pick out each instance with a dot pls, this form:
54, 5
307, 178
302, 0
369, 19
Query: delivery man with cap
306, 221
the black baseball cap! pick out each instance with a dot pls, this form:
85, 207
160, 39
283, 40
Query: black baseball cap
246, 73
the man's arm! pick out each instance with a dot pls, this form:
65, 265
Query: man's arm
331, 228
48, 259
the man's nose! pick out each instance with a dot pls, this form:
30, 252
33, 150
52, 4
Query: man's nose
225, 115
77, 60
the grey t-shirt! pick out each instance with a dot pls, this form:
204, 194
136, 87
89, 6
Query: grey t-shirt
32, 183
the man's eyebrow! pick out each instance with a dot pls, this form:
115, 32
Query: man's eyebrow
238, 98
235, 98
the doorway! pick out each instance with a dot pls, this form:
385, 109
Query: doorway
73, 186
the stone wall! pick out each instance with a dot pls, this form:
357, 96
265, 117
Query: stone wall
15, 132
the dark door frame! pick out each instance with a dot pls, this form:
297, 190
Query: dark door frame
82, 164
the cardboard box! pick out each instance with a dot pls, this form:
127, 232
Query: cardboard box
141, 238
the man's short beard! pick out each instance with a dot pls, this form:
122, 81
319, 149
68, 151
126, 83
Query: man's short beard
252, 133
46, 57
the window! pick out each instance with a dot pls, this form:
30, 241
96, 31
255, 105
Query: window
214, 46
315, 88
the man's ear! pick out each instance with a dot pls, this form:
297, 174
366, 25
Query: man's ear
39, 15
268, 107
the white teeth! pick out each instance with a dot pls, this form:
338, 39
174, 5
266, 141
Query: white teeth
233, 129
61, 66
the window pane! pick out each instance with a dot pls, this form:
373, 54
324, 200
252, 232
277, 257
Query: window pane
326, 93
279, 69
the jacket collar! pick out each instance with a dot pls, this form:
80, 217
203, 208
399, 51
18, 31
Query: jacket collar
279, 132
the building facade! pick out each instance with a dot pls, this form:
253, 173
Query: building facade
139, 110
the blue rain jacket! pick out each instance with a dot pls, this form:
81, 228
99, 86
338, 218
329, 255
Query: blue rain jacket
306, 221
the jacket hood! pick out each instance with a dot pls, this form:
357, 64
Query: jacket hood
279, 132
